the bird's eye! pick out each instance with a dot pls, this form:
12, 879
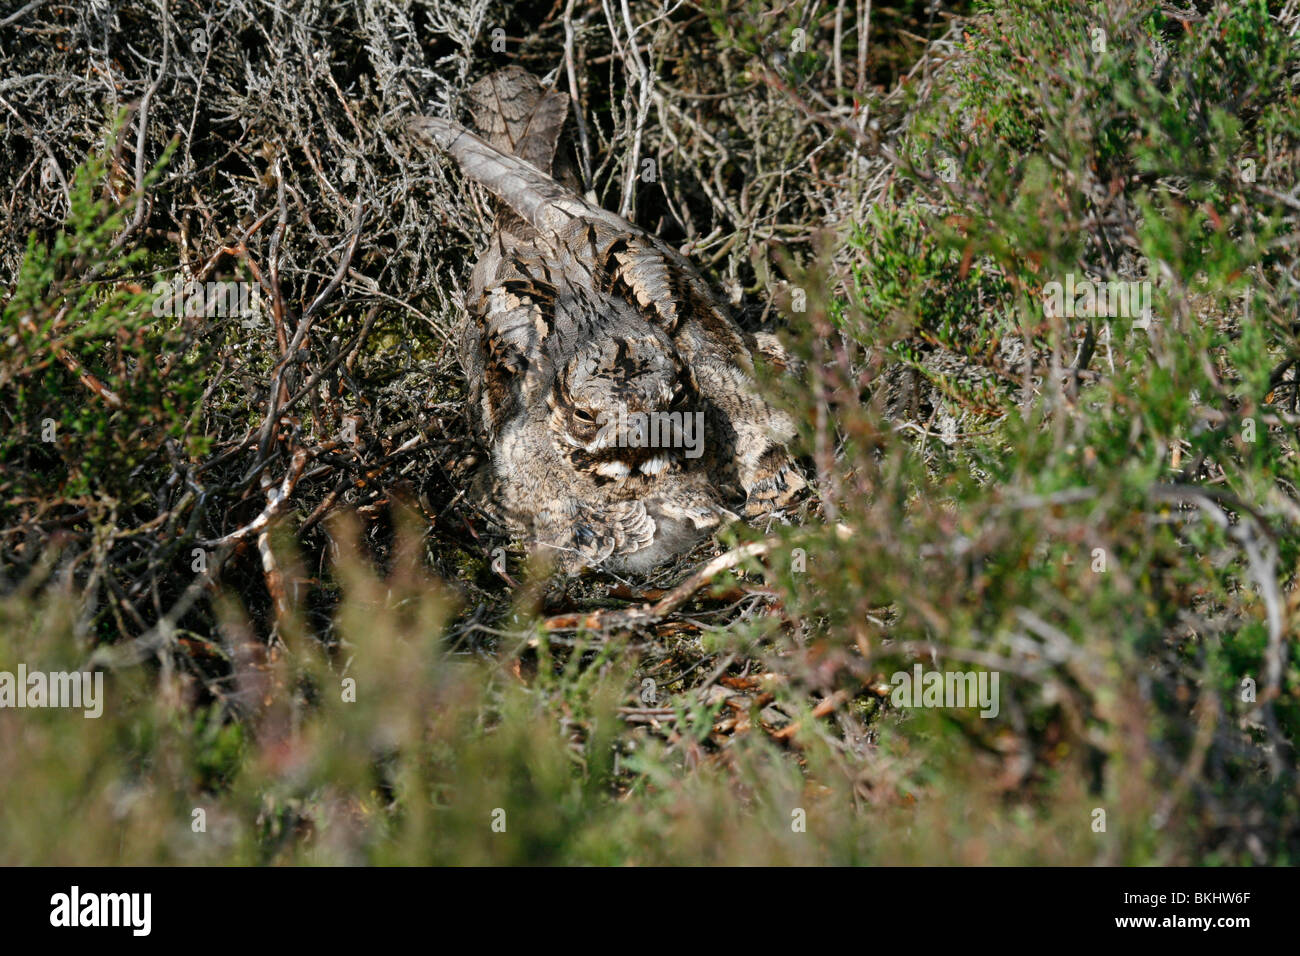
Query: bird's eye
584, 416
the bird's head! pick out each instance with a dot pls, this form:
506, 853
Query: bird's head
625, 407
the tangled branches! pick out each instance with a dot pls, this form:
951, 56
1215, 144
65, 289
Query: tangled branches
169, 151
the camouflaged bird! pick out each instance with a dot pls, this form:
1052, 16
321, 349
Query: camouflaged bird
613, 391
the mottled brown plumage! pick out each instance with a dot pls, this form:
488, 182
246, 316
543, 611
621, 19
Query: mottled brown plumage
610, 385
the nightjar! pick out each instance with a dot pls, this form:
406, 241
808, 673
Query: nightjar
610, 385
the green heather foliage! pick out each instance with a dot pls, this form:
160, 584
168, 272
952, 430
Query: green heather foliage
73, 302
1119, 542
